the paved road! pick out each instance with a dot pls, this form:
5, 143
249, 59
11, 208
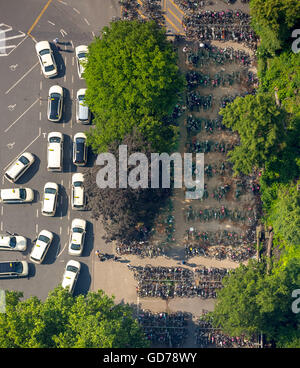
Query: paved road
24, 127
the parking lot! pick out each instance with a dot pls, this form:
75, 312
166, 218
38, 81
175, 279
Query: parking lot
24, 128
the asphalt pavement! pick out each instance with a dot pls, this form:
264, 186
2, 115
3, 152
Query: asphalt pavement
24, 127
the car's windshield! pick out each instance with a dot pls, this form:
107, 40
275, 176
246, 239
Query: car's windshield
43, 238
81, 55
80, 140
75, 246
54, 140
77, 230
13, 242
81, 97
78, 184
72, 268
22, 193
49, 68
24, 160
50, 191
44, 52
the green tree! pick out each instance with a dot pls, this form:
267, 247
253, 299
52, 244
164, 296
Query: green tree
64, 321
260, 125
273, 21
132, 81
253, 302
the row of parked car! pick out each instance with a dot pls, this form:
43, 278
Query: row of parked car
55, 142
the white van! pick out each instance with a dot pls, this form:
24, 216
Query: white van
16, 195
41, 246
49, 199
19, 167
55, 151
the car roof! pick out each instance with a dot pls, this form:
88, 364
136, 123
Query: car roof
77, 177
78, 196
13, 193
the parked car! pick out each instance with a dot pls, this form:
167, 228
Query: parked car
81, 59
55, 103
50, 199
83, 114
46, 59
19, 167
13, 242
55, 151
77, 236
41, 246
78, 192
79, 149
13, 269
70, 275
16, 195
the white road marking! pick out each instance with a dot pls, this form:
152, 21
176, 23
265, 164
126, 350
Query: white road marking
2, 211
93, 33
11, 107
13, 86
72, 44
65, 78
12, 124
40, 115
41, 85
63, 2
3, 180
60, 230
63, 32
1, 225
73, 61
86, 21
37, 213
24, 149
10, 145
37, 228
13, 67
62, 183
62, 251
44, 135
72, 78
76, 10
53, 24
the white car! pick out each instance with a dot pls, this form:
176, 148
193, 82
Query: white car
16, 195
18, 168
55, 103
77, 237
83, 114
50, 199
70, 275
78, 193
81, 58
12, 242
46, 59
41, 246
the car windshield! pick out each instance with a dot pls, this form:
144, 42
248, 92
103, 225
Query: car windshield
78, 184
72, 268
44, 52
75, 246
77, 230
13, 242
24, 160
49, 68
81, 98
81, 55
22, 193
43, 238
50, 191
80, 141
54, 140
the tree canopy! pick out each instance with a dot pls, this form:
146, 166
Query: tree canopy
124, 211
65, 321
273, 21
260, 125
132, 81
253, 302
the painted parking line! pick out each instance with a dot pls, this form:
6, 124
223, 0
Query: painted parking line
39, 17
12, 124
40, 132
18, 81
